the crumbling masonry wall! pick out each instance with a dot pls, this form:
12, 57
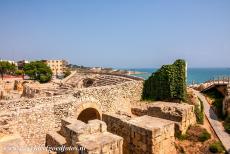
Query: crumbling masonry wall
91, 138
143, 134
33, 118
112, 97
181, 113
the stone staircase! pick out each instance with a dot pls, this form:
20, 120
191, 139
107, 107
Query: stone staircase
105, 80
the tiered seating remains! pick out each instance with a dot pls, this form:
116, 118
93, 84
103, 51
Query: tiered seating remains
79, 80
104, 80
99, 80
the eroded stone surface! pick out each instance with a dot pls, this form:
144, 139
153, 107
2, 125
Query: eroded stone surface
91, 138
181, 113
33, 118
143, 134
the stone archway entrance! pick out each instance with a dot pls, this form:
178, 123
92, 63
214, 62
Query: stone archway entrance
89, 114
87, 111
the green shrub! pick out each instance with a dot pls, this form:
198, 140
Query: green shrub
216, 147
204, 136
19, 72
38, 70
218, 104
180, 136
44, 78
227, 124
217, 98
168, 83
6, 68
199, 111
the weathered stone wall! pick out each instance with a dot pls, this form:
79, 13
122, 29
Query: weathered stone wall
111, 98
118, 124
32, 123
30, 92
33, 118
143, 134
115, 97
10, 89
181, 113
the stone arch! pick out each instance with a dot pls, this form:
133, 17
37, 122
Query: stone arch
87, 111
88, 82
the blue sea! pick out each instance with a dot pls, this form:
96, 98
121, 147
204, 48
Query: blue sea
197, 75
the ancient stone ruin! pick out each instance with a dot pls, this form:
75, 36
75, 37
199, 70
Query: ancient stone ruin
143, 134
90, 138
11, 89
182, 114
33, 117
103, 117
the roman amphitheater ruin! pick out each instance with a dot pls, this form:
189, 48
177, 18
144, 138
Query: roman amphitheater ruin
100, 113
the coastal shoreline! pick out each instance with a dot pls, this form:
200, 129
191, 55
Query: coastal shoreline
136, 72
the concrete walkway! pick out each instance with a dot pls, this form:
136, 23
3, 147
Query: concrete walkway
216, 125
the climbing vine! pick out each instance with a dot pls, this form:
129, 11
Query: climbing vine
168, 83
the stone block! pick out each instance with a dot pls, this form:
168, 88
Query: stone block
146, 134
54, 139
181, 113
91, 137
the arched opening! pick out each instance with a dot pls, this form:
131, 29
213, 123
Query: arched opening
88, 82
89, 114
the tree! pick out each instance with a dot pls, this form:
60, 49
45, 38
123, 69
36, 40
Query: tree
6, 68
19, 72
39, 71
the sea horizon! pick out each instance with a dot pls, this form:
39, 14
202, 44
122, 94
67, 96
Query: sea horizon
194, 75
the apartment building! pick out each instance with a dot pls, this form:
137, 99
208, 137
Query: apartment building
58, 67
10, 61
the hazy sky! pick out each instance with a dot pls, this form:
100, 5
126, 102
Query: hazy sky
117, 33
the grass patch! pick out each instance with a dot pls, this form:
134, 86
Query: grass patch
216, 147
181, 137
204, 136
194, 133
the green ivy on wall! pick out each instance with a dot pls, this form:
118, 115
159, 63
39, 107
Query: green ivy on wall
168, 83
